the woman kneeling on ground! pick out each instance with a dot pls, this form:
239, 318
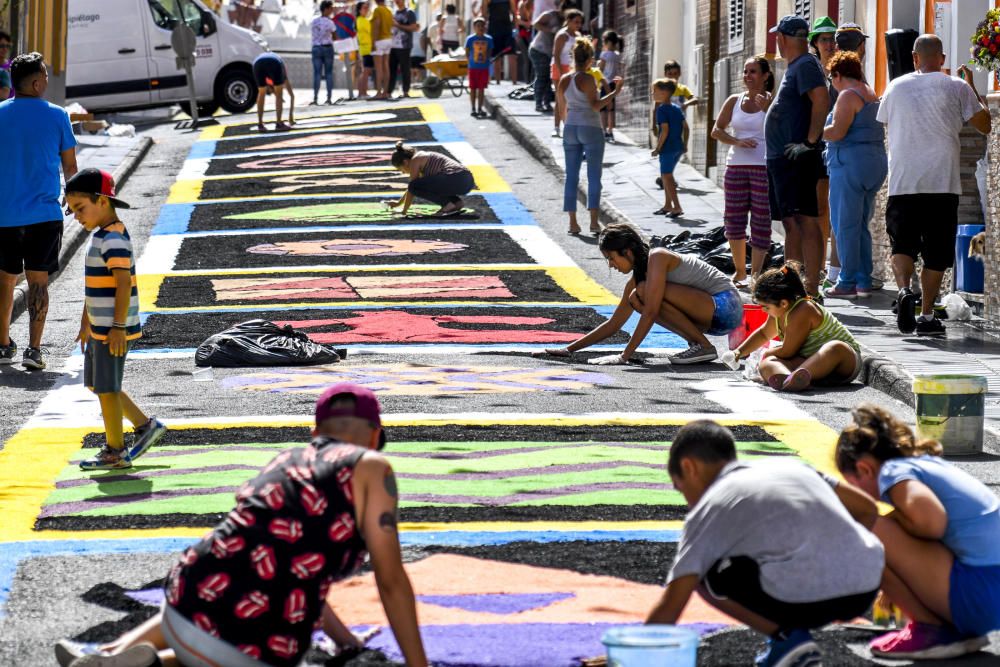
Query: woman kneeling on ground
679, 292
434, 177
815, 346
942, 556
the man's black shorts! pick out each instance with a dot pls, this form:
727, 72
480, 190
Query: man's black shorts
368, 62
792, 185
269, 68
31, 247
924, 225
738, 579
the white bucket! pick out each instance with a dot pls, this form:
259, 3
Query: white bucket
651, 646
950, 409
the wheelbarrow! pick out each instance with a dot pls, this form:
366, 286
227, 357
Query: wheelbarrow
445, 72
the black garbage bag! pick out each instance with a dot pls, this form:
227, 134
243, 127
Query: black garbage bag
262, 343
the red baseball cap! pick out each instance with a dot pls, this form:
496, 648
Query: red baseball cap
366, 406
92, 181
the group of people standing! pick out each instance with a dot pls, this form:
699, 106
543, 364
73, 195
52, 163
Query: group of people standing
813, 155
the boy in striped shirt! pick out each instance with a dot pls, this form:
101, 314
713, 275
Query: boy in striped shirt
110, 319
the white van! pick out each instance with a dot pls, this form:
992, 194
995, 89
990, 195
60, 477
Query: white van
119, 56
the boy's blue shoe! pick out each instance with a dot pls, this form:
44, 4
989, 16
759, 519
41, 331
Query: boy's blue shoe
797, 649
107, 459
146, 436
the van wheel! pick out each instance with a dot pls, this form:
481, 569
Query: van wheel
236, 90
205, 109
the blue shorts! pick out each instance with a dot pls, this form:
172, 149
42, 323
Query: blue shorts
668, 161
974, 598
728, 313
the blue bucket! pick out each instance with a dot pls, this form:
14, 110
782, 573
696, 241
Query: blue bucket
651, 646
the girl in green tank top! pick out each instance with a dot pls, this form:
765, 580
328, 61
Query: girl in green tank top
815, 347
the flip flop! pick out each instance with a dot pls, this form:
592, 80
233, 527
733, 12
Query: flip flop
595, 230
799, 380
675, 214
776, 381
661, 211
741, 284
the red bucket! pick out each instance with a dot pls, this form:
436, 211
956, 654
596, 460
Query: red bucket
753, 317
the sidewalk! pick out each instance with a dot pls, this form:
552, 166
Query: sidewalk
117, 155
630, 195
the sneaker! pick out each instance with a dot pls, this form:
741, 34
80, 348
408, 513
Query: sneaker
68, 650
107, 459
931, 327
555, 132
146, 436
33, 359
837, 292
920, 641
7, 352
143, 655
905, 305
863, 292
876, 283
797, 649
827, 284
696, 354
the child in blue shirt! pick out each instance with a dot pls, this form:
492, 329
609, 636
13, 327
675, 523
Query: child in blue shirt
478, 50
941, 539
670, 125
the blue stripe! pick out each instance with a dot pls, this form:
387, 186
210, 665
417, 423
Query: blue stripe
202, 149
446, 132
12, 553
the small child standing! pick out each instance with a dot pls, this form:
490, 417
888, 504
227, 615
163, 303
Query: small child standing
941, 547
671, 127
478, 50
815, 346
611, 66
685, 98
776, 545
110, 318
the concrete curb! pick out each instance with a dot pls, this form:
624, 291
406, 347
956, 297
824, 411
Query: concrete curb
608, 212
76, 238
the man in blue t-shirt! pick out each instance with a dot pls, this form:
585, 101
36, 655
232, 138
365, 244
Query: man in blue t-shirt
793, 128
479, 51
37, 139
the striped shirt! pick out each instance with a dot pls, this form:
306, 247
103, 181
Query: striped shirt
110, 249
830, 328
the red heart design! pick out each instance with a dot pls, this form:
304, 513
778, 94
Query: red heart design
273, 496
213, 586
342, 528
283, 647
313, 501
252, 605
262, 558
295, 606
289, 530
308, 565
224, 547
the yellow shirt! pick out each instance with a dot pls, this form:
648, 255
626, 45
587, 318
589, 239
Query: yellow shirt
365, 35
683, 91
598, 76
385, 17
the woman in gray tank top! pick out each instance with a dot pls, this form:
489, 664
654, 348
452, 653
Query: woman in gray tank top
581, 104
679, 292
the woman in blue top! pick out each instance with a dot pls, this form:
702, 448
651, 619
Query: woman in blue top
941, 541
670, 145
857, 164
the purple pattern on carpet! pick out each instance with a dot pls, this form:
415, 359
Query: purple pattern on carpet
513, 498
144, 474
490, 453
78, 506
152, 597
496, 603
512, 645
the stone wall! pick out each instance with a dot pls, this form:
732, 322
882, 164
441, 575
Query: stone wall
992, 295
634, 103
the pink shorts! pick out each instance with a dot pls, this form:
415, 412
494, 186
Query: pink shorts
479, 79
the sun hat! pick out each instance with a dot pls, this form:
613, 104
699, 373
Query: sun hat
822, 25
850, 36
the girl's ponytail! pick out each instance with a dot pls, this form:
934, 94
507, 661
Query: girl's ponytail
878, 433
402, 154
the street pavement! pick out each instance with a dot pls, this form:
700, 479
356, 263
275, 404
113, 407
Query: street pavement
547, 468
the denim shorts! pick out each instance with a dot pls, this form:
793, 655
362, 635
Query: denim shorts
728, 313
974, 598
102, 372
668, 161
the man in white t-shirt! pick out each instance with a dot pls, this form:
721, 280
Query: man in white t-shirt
924, 112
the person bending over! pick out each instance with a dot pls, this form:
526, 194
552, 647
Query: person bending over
272, 79
252, 590
767, 543
434, 177
815, 346
941, 548
679, 292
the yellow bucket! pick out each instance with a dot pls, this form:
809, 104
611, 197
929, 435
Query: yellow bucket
950, 409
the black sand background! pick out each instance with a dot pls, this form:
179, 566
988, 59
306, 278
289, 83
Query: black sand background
402, 114
189, 291
378, 157
377, 181
212, 217
487, 246
358, 137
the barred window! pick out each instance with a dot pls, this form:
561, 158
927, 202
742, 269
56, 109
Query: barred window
736, 20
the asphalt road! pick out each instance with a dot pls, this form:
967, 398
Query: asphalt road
45, 602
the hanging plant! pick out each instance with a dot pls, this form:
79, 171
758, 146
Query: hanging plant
986, 42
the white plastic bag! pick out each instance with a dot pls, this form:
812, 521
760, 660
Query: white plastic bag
121, 131
751, 369
957, 308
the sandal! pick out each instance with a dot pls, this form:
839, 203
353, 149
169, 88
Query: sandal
595, 230
741, 284
799, 380
662, 211
777, 381
675, 214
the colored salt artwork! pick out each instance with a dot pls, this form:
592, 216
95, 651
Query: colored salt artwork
469, 325
407, 114
350, 248
332, 213
447, 473
381, 134
358, 248
187, 291
415, 380
305, 184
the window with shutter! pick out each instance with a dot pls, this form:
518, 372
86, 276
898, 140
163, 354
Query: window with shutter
804, 9
736, 18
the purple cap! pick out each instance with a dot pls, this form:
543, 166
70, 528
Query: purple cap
366, 406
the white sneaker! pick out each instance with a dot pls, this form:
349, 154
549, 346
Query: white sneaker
696, 354
143, 655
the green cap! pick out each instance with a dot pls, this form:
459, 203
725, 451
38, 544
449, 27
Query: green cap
821, 25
